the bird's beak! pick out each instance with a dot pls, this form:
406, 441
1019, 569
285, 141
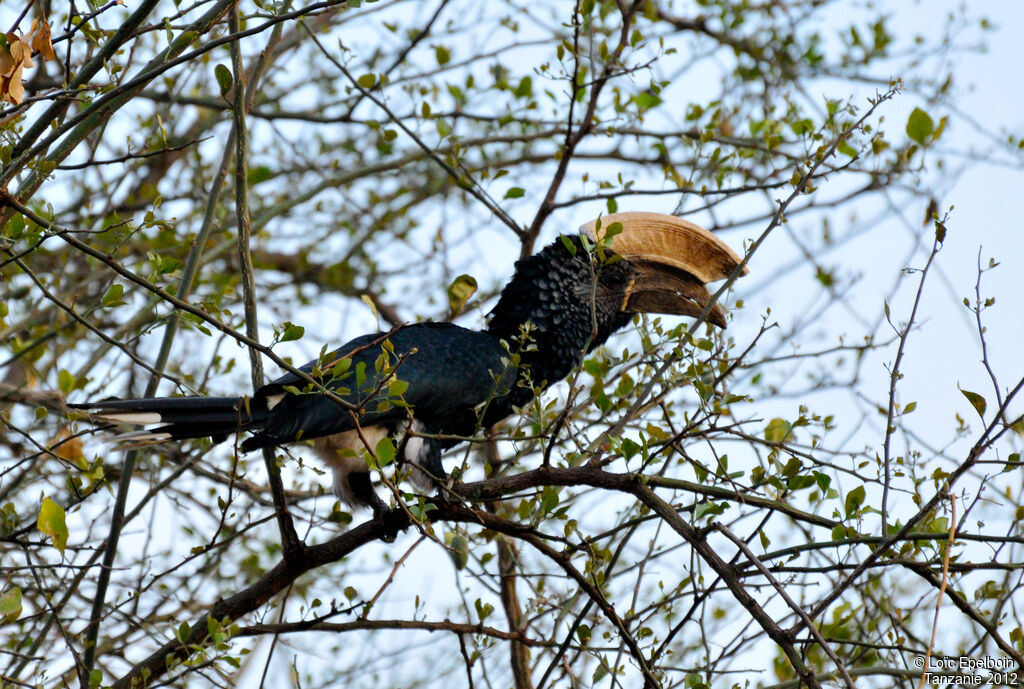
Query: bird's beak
674, 259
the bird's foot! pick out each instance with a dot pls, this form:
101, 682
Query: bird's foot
392, 520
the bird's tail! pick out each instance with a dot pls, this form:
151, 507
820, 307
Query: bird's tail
182, 417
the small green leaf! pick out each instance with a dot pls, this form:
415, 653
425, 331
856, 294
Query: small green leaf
259, 173
290, 331
845, 148
483, 610
65, 381
910, 407
459, 292
51, 522
646, 100
515, 193
113, 295
854, 499
458, 549
10, 605
442, 54
920, 126
385, 452
977, 401
397, 388
525, 88
224, 78
95, 679
367, 81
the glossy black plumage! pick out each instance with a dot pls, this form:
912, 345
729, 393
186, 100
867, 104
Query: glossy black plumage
560, 304
449, 370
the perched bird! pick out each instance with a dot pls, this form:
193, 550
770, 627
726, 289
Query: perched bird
430, 385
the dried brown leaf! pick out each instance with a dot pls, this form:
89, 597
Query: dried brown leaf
67, 447
13, 60
11, 87
20, 51
41, 41
6, 63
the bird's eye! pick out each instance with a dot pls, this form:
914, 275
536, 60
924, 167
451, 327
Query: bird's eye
614, 278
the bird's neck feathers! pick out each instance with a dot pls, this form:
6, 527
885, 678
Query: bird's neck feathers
555, 297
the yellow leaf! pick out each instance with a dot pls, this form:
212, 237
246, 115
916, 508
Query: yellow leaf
459, 292
10, 605
51, 522
778, 431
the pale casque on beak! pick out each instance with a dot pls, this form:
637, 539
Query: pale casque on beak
674, 258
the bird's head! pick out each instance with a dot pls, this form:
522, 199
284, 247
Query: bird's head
667, 263
580, 289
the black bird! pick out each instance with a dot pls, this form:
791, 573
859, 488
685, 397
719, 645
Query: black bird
432, 384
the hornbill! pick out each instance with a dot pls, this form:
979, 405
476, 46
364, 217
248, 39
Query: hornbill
434, 384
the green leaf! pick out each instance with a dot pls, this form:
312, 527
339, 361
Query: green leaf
845, 148
801, 482
525, 88
483, 610
51, 522
442, 54
259, 173
977, 401
385, 452
95, 679
515, 193
65, 381
919, 126
459, 292
113, 295
367, 81
647, 100
224, 78
854, 499
10, 605
168, 264
290, 331
458, 549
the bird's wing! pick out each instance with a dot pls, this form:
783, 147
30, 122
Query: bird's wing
439, 371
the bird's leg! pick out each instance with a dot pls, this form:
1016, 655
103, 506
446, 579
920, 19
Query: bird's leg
361, 487
430, 464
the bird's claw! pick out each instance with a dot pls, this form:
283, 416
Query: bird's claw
392, 521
